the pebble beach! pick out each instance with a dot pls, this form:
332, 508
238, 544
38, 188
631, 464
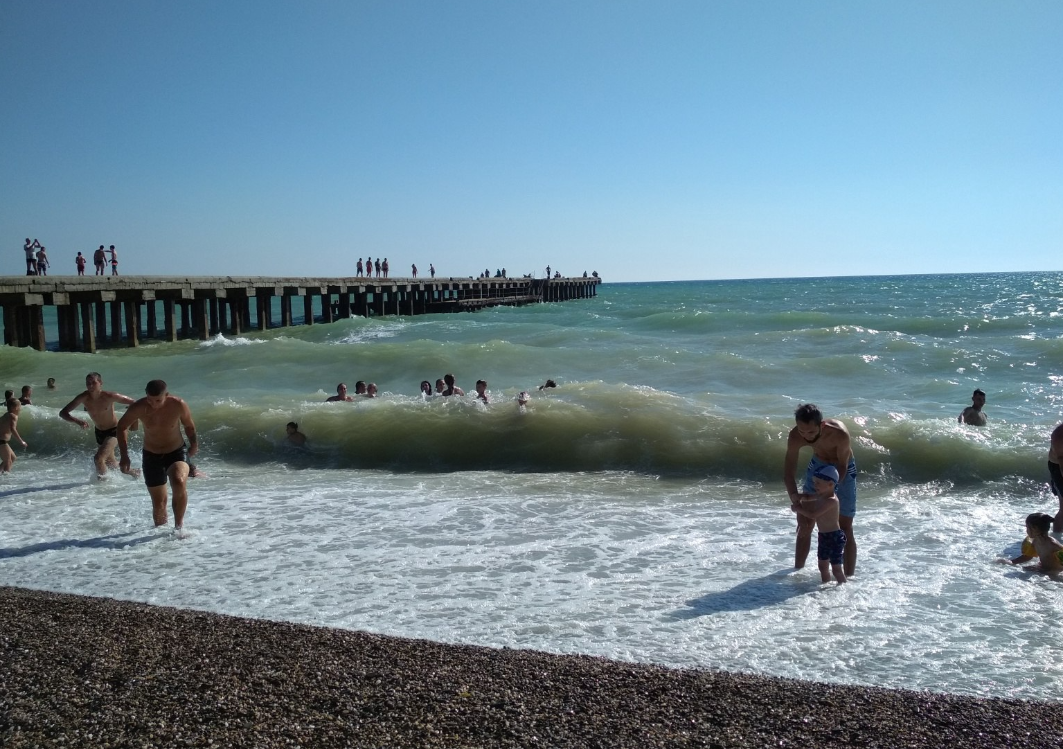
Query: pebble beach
94, 672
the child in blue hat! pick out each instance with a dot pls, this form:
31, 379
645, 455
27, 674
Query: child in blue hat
823, 507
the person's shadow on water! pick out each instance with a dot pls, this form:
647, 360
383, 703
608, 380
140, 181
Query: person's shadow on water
31, 489
114, 541
759, 592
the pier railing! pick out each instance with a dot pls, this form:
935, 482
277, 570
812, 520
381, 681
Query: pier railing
96, 311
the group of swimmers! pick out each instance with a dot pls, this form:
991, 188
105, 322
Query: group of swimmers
826, 501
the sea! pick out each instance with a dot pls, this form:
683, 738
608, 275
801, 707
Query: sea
636, 511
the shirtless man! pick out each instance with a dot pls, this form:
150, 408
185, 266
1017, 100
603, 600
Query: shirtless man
341, 394
295, 437
452, 389
163, 415
99, 404
973, 414
1055, 455
830, 443
8, 423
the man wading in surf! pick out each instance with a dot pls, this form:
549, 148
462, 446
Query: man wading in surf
830, 443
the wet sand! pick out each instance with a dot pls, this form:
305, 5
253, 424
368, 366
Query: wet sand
93, 672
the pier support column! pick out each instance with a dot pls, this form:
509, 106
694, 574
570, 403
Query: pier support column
286, 311
169, 320
101, 323
66, 317
264, 311
10, 325
236, 313
308, 309
88, 330
186, 320
153, 325
132, 323
116, 323
326, 308
345, 305
34, 317
201, 315
213, 327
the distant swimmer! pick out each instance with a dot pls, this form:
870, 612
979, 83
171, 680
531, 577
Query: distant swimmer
481, 391
831, 445
163, 415
341, 395
547, 385
1039, 545
522, 400
973, 414
360, 388
426, 388
822, 508
370, 390
295, 437
1055, 455
441, 386
27, 395
51, 383
452, 389
8, 422
99, 404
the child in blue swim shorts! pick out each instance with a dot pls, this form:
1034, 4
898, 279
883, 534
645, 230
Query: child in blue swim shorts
824, 507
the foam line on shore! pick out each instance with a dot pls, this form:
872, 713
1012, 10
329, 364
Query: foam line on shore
78, 671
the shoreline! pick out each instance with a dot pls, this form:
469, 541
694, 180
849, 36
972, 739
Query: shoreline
80, 671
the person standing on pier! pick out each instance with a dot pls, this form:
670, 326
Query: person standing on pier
80, 262
114, 261
432, 269
99, 404
414, 268
99, 257
31, 256
384, 267
42, 262
831, 445
163, 415
359, 267
376, 266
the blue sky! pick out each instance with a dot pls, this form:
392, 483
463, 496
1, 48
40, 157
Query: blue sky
644, 140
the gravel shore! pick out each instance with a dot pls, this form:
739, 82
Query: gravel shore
92, 672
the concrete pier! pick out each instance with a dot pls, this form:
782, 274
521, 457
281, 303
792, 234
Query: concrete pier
100, 311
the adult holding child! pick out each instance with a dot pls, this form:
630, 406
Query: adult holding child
1055, 455
831, 446
165, 458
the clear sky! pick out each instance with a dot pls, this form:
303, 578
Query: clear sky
652, 140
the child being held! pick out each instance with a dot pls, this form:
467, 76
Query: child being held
823, 507
1038, 544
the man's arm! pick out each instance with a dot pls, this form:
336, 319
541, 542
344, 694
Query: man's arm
65, 413
190, 429
131, 415
789, 466
844, 452
15, 434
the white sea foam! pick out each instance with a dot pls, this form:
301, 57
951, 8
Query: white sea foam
674, 572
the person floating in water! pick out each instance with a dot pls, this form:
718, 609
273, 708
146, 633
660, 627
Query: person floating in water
99, 404
1039, 545
522, 400
973, 414
341, 394
822, 509
831, 445
481, 391
452, 389
295, 437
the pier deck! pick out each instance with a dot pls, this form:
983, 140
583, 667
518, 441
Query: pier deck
172, 307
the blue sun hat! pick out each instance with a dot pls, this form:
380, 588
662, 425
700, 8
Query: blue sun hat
827, 473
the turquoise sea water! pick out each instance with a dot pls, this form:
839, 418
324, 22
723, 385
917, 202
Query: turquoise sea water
637, 511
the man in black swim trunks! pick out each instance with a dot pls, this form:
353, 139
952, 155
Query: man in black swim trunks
99, 404
1055, 455
163, 415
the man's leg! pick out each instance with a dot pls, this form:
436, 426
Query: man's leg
158, 504
804, 540
104, 457
178, 474
1057, 524
850, 545
7, 458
